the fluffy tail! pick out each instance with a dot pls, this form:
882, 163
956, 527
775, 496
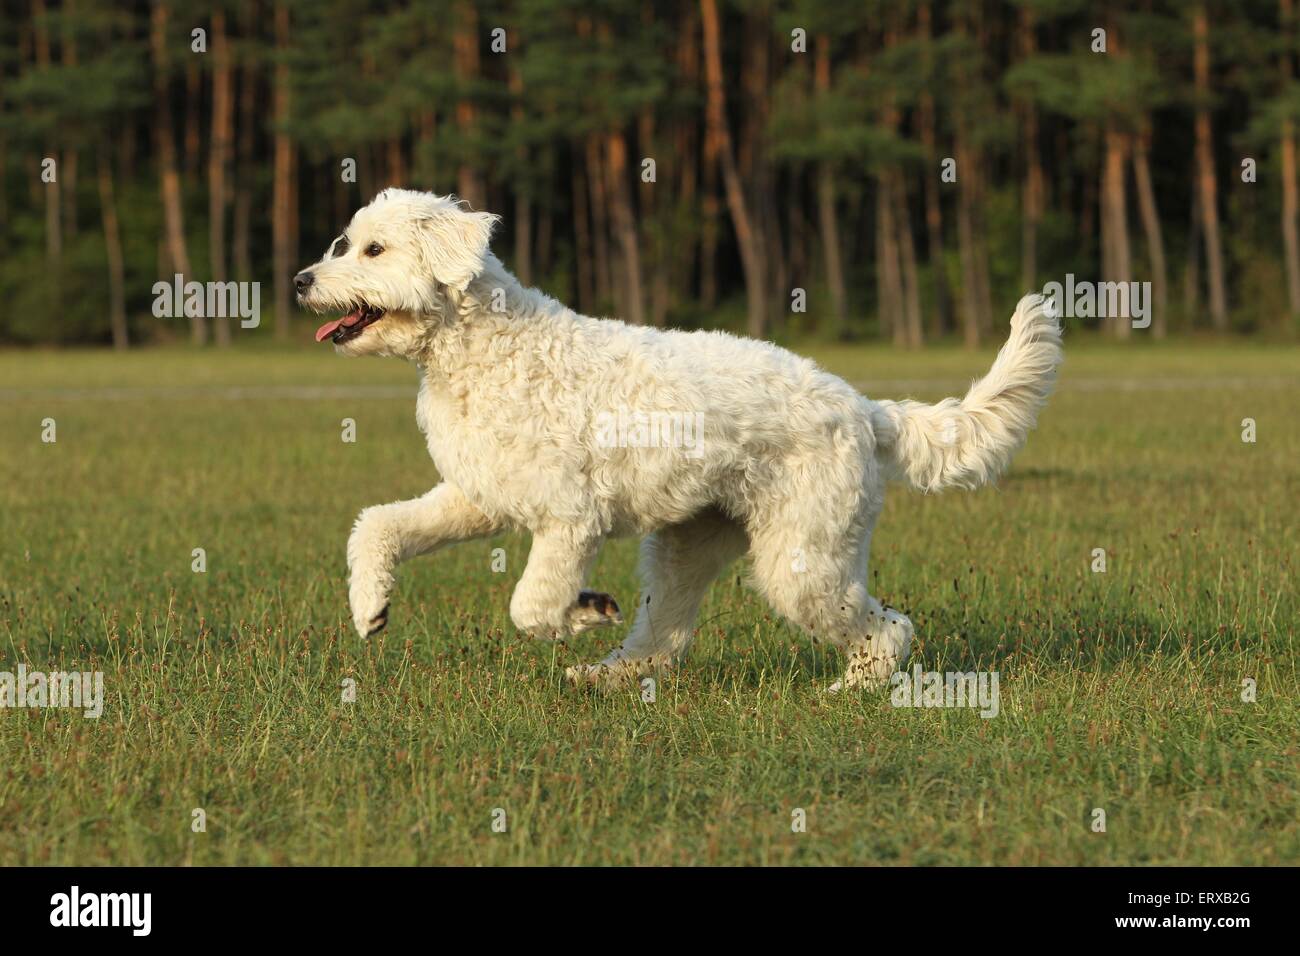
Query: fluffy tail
968, 443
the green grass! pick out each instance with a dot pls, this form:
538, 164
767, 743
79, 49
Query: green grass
1119, 690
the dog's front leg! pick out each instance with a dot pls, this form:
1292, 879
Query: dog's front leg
386, 535
549, 601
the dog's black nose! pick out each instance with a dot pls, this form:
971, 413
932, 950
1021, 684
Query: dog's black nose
302, 281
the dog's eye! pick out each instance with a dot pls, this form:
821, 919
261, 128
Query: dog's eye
340, 246
374, 249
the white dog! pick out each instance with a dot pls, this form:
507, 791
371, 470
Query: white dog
543, 419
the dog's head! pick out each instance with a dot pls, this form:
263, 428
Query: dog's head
394, 270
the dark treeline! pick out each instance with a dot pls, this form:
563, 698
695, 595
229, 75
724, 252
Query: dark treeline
912, 166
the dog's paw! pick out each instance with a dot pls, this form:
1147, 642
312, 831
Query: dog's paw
585, 675
369, 624
864, 673
377, 623
368, 600
601, 677
861, 675
892, 642
871, 663
619, 672
592, 609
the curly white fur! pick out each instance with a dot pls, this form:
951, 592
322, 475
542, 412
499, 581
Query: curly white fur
791, 470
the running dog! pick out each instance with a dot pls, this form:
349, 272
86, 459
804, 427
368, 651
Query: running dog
567, 426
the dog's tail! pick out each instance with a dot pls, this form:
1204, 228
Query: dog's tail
968, 443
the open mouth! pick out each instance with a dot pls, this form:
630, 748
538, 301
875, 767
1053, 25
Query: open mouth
349, 326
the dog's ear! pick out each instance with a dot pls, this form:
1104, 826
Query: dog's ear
454, 243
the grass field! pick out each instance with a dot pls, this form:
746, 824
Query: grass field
1119, 690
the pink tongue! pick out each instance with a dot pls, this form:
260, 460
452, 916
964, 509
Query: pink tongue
327, 329
351, 319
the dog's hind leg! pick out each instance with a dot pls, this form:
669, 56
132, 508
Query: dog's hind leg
816, 577
385, 535
677, 565
549, 602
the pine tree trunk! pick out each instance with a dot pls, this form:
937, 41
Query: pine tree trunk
1032, 197
941, 318
1290, 207
425, 137
51, 190
4, 166
892, 310
465, 45
545, 233
1290, 200
340, 203
1155, 240
911, 299
396, 162
4, 162
218, 161
523, 227
242, 221
827, 221
684, 244
1192, 272
828, 226
368, 174
756, 173
711, 227
652, 214
523, 224
978, 180
112, 249
974, 265
599, 222
711, 207
1088, 210
170, 187
1205, 172
900, 250
582, 240
776, 263
68, 172
748, 239
283, 199
1031, 202
1116, 262
625, 227
797, 222
193, 115
984, 296
966, 247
